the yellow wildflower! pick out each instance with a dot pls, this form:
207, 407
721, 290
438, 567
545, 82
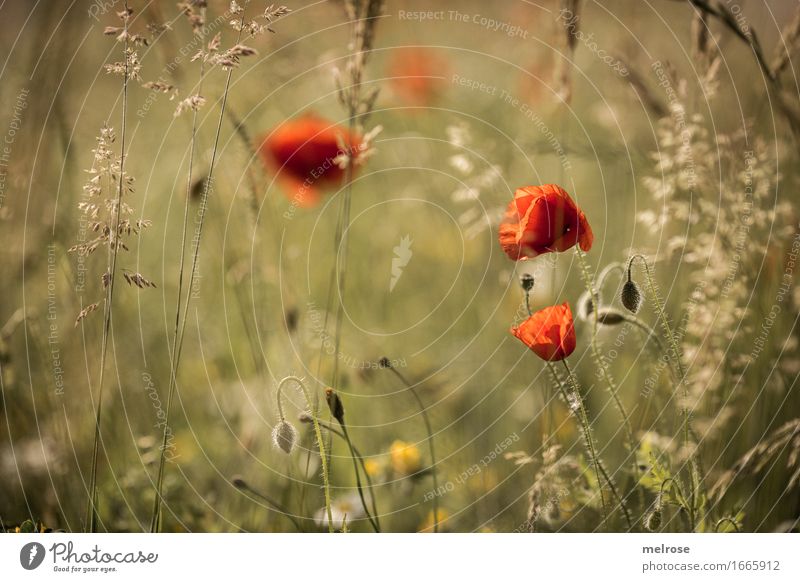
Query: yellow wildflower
406, 458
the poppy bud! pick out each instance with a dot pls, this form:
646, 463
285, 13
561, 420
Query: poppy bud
586, 306
631, 296
335, 404
284, 436
608, 316
652, 521
526, 281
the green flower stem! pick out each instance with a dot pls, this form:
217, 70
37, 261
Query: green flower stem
280, 508
353, 455
632, 443
674, 354
320, 443
587, 437
598, 360
729, 520
355, 452
424, 411
600, 472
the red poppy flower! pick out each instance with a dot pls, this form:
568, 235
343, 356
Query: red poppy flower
302, 152
536, 85
550, 333
417, 75
543, 219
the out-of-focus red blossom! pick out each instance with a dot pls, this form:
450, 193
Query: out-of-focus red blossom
417, 75
536, 84
302, 153
543, 219
549, 333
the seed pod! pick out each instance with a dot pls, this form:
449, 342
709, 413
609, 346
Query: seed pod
527, 281
284, 436
335, 404
631, 296
652, 521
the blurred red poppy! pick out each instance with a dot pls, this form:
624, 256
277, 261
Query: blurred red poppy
417, 75
549, 333
302, 152
537, 83
543, 219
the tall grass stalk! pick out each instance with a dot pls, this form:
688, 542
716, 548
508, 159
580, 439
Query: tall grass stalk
242, 485
155, 522
363, 15
113, 248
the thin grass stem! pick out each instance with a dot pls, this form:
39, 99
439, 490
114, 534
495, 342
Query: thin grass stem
244, 486
113, 248
155, 522
428, 427
372, 520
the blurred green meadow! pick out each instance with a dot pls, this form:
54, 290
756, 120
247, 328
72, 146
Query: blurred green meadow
676, 144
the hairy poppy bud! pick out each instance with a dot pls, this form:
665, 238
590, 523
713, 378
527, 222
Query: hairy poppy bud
335, 404
631, 296
608, 316
652, 521
586, 306
526, 281
284, 436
